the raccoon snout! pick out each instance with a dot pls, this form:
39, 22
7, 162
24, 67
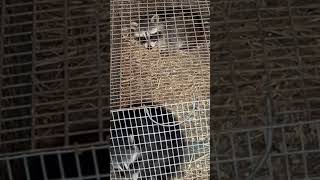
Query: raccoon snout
153, 43
150, 44
146, 45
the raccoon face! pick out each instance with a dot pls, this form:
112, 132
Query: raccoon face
122, 159
148, 34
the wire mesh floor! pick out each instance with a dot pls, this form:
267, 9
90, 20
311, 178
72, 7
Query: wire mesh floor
154, 142
89, 163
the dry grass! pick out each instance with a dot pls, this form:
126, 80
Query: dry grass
195, 116
167, 77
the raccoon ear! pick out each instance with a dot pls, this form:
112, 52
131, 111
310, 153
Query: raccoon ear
155, 19
131, 139
133, 25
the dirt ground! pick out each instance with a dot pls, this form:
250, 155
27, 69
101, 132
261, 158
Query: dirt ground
259, 48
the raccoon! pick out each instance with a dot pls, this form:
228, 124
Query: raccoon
176, 29
150, 34
123, 161
159, 148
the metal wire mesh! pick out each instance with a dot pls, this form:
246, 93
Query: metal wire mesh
161, 142
147, 62
265, 110
53, 79
83, 163
52, 73
159, 55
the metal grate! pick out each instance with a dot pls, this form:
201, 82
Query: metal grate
161, 142
85, 163
53, 80
265, 107
147, 63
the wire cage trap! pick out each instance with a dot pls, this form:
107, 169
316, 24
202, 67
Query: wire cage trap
159, 89
161, 142
160, 55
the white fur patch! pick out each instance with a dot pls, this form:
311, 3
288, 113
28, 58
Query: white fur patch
153, 43
139, 34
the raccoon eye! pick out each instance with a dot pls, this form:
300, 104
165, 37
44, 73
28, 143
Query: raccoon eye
131, 166
141, 39
154, 37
